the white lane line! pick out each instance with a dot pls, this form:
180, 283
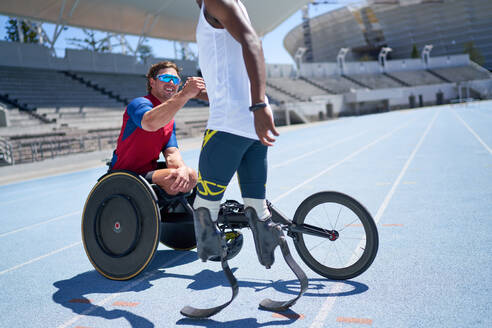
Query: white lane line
318, 322
317, 150
41, 196
331, 167
474, 133
108, 299
386, 201
38, 224
40, 257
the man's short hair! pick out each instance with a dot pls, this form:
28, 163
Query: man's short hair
154, 69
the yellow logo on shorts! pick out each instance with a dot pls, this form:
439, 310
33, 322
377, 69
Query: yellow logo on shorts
208, 134
207, 188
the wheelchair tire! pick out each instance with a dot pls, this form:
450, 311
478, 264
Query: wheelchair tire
121, 225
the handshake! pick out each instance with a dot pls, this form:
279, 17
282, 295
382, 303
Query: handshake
194, 87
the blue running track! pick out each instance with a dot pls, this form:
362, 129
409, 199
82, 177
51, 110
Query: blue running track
425, 175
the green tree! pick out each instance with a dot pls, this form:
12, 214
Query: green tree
415, 52
91, 42
474, 53
144, 52
30, 35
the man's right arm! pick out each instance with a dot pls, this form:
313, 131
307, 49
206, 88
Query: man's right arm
160, 115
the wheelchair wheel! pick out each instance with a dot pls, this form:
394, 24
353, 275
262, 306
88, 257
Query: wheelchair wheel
353, 237
121, 225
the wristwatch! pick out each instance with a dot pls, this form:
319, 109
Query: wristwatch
257, 106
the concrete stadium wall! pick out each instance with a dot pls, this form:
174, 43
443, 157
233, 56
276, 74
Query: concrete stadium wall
369, 67
373, 67
449, 61
428, 93
337, 103
400, 96
28, 55
25, 55
484, 87
404, 65
319, 69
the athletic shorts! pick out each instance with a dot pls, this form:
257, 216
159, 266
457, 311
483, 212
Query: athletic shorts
224, 154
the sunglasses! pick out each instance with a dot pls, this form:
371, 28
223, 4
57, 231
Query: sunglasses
168, 78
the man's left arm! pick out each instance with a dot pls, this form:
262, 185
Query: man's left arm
185, 178
173, 158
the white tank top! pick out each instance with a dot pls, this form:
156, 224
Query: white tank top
221, 61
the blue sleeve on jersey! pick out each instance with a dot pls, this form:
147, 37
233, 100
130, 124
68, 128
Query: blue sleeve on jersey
137, 108
173, 142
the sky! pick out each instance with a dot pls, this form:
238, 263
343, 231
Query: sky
274, 50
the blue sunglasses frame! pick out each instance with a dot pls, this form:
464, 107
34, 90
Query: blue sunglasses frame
168, 78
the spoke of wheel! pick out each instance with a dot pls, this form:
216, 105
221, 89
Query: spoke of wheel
322, 242
353, 252
338, 216
356, 238
348, 225
324, 209
338, 255
326, 256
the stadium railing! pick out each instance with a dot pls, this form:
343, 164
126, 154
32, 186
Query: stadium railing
6, 157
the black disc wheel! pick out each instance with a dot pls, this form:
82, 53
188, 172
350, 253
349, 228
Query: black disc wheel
335, 235
121, 225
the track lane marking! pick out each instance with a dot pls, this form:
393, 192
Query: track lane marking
40, 223
40, 258
111, 297
331, 167
355, 320
320, 318
318, 150
473, 132
41, 196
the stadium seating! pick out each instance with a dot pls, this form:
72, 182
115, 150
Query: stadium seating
337, 84
376, 81
462, 73
125, 86
49, 88
301, 89
416, 77
278, 96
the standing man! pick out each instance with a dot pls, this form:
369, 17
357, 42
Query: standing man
149, 129
239, 130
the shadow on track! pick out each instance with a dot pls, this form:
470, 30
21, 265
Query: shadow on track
247, 322
72, 292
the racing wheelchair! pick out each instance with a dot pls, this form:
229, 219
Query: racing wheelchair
125, 217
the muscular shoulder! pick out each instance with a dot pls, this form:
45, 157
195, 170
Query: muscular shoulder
137, 108
140, 101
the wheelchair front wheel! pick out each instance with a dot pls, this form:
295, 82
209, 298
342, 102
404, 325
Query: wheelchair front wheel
350, 240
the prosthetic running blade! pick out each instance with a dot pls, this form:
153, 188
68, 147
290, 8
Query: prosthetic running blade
267, 236
196, 313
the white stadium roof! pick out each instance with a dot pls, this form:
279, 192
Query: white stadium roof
166, 19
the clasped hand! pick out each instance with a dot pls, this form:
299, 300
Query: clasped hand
184, 179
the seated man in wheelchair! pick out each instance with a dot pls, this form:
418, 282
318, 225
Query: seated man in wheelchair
149, 129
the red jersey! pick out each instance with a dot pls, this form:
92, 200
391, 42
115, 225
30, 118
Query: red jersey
138, 150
